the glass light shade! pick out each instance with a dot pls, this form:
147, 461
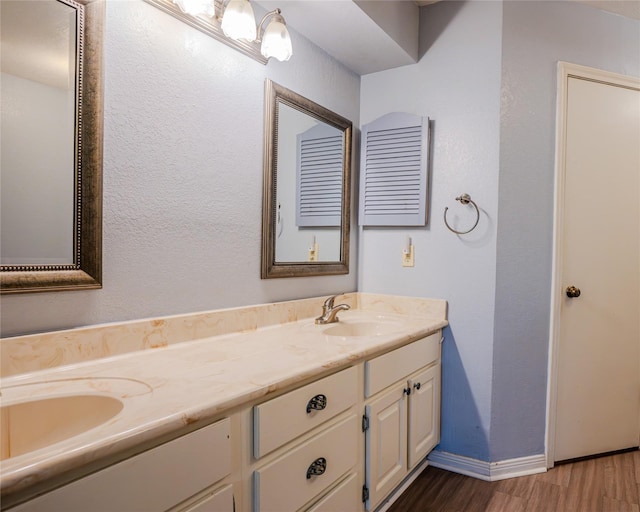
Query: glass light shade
276, 41
238, 21
195, 7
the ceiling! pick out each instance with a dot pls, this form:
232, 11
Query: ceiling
366, 36
628, 8
369, 36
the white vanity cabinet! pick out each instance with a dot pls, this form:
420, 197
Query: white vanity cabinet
309, 449
189, 474
402, 414
317, 428
313, 432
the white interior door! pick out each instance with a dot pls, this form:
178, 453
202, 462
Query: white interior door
597, 402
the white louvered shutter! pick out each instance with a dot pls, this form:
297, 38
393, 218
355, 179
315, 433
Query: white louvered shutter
394, 171
319, 177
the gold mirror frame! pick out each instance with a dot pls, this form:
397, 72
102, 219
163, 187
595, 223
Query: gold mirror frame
274, 96
86, 270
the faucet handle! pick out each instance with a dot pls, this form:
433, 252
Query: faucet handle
328, 304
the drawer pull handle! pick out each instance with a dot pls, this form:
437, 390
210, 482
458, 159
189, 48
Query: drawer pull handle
317, 403
317, 468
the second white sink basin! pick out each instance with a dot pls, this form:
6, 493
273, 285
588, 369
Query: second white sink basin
364, 328
29, 426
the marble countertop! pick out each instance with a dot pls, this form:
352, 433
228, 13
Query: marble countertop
165, 389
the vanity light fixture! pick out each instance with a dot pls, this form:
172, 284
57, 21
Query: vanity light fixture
197, 7
276, 41
237, 22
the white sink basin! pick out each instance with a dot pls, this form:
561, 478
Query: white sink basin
374, 328
31, 425
38, 414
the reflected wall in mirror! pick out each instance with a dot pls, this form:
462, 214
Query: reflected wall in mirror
306, 197
51, 139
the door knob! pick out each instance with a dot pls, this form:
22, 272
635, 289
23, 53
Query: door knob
573, 292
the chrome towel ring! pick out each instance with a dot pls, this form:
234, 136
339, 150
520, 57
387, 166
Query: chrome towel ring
464, 199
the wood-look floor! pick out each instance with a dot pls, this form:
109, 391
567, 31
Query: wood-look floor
605, 484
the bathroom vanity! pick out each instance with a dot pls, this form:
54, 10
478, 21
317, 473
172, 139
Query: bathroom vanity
275, 414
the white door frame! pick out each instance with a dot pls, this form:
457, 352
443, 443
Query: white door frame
565, 71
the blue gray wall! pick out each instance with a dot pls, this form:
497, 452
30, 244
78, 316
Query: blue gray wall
183, 178
457, 84
183, 149
487, 76
535, 36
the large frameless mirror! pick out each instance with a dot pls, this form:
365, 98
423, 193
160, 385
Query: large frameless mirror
51, 139
307, 162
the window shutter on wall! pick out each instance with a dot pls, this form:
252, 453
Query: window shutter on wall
319, 177
394, 171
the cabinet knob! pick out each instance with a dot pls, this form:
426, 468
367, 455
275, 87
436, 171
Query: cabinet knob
417, 385
317, 403
573, 292
407, 391
317, 467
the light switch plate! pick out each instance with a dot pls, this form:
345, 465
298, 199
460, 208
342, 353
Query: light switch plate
407, 257
313, 253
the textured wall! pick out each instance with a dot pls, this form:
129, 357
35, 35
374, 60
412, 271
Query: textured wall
183, 178
487, 76
183, 175
536, 35
457, 84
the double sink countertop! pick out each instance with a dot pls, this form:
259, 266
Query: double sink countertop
181, 370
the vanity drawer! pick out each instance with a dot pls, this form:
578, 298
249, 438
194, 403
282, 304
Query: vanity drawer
220, 500
346, 496
283, 484
153, 480
282, 419
393, 366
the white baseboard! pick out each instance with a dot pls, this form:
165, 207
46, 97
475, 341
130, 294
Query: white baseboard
489, 471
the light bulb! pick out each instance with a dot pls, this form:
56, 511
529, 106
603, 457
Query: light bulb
238, 21
195, 7
276, 41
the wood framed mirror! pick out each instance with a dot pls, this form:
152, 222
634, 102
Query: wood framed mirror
52, 131
306, 187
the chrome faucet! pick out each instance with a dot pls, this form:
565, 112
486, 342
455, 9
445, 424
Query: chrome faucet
330, 312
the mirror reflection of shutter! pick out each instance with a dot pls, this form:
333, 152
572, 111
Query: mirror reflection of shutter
394, 171
319, 177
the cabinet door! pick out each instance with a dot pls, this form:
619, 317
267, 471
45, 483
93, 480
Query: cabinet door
386, 444
424, 414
